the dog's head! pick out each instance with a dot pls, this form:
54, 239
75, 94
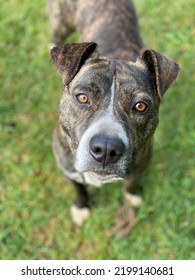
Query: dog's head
109, 107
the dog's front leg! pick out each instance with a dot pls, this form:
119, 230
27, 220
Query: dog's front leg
125, 217
131, 196
131, 184
80, 211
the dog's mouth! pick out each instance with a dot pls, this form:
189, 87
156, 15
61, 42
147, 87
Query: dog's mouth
104, 173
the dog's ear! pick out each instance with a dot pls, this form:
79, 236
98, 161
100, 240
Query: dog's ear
69, 58
164, 69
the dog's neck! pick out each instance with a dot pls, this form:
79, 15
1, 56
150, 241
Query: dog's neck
113, 27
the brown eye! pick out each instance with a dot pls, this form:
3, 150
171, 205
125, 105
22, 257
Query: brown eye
141, 107
82, 98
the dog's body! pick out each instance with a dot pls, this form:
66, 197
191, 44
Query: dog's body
110, 103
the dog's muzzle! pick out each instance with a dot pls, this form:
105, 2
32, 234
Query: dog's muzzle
104, 149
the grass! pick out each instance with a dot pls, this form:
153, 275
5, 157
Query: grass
35, 199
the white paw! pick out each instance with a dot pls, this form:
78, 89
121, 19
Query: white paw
79, 215
51, 46
134, 200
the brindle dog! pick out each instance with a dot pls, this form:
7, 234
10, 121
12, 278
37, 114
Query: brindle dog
110, 102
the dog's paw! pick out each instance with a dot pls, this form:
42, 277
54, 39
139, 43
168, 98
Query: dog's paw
79, 215
51, 46
134, 200
125, 219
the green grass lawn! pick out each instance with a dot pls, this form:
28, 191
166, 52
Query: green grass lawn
34, 197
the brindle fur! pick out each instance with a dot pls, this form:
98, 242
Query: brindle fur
139, 75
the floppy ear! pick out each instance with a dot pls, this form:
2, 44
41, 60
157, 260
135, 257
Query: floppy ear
164, 69
69, 58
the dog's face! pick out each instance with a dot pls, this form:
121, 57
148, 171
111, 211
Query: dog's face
109, 108
109, 111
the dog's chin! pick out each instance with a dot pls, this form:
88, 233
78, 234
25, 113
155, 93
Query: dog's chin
101, 177
104, 175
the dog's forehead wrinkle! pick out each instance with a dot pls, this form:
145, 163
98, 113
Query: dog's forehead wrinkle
103, 71
100, 74
134, 80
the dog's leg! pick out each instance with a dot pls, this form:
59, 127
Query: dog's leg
143, 160
130, 195
61, 20
125, 217
80, 209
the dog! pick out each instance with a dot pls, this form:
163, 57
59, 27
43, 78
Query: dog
112, 90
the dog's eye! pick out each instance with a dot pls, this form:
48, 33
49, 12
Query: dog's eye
82, 98
141, 107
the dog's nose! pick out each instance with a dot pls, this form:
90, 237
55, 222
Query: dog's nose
106, 150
